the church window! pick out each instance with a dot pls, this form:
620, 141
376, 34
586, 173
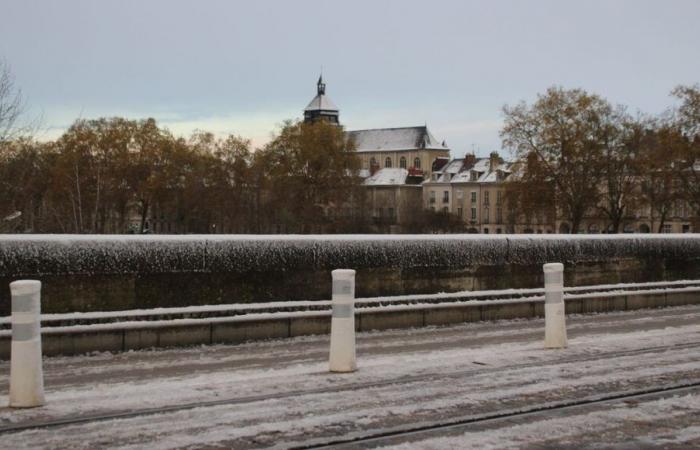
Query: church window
402, 162
416, 163
387, 162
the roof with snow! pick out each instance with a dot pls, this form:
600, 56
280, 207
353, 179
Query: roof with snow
393, 139
321, 103
387, 177
456, 172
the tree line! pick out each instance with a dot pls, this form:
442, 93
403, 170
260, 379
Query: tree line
117, 175
581, 157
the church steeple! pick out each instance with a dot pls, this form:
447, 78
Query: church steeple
321, 86
321, 107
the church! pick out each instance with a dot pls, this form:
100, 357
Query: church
412, 148
395, 162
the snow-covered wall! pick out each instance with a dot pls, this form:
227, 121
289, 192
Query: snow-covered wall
83, 272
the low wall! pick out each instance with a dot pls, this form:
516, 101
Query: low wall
98, 273
234, 330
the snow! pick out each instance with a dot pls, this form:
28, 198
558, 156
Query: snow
451, 384
498, 296
22, 255
321, 102
395, 139
388, 177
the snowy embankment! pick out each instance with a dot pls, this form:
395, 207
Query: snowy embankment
109, 254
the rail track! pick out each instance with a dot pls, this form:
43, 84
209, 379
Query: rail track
101, 417
390, 436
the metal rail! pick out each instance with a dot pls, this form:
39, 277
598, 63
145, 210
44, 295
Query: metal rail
330, 389
376, 439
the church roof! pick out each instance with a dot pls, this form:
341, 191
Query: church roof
393, 139
321, 103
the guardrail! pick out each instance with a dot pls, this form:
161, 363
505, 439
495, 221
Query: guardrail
77, 333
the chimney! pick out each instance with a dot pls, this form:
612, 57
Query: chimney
494, 161
469, 161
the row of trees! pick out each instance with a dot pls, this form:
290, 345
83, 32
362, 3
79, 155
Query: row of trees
118, 175
582, 157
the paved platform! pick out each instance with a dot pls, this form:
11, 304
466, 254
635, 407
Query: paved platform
627, 380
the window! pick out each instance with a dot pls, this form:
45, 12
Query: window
446, 197
486, 197
486, 231
473, 176
459, 212
473, 213
473, 196
387, 162
391, 213
402, 162
432, 197
372, 162
416, 163
498, 231
499, 215
498, 197
667, 228
485, 219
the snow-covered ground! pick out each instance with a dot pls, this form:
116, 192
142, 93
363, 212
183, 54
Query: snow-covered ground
405, 377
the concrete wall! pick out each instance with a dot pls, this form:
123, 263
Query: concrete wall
103, 273
241, 330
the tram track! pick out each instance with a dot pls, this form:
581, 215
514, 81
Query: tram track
390, 436
482, 370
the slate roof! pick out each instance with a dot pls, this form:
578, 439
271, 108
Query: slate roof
321, 103
394, 139
454, 172
387, 177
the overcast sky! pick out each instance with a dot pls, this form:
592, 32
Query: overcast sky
245, 66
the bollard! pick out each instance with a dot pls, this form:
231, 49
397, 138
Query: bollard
26, 375
342, 353
554, 309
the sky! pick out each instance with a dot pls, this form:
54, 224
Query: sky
244, 67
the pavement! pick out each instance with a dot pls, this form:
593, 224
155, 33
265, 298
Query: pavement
626, 380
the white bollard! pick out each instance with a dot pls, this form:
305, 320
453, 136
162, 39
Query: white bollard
554, 309
26, 374
342, 353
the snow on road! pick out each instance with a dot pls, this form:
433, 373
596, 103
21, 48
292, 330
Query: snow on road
404, 377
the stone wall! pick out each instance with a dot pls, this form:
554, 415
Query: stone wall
100, 273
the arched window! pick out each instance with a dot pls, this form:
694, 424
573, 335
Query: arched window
387, 162
372, 162
402, 162
416, 163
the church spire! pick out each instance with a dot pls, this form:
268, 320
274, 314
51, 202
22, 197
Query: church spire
321, 86
321, 107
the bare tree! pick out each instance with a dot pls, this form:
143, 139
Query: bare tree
566, 131
11, 105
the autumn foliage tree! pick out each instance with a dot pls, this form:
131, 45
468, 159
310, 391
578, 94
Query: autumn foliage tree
314, 180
